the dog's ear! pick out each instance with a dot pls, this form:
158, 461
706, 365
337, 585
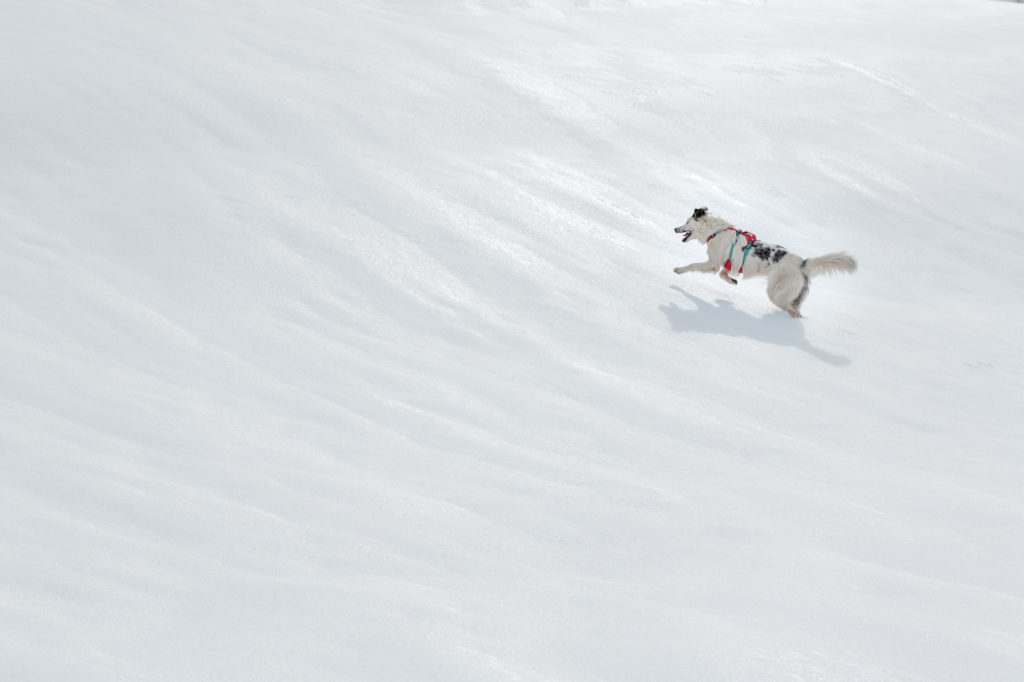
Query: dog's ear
700, 212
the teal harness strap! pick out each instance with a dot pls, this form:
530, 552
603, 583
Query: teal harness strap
728, 261
715, 234
746, 250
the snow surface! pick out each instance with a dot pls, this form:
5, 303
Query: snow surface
341, 341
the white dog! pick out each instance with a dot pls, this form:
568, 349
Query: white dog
788, 274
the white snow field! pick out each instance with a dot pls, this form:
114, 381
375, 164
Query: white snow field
340, 341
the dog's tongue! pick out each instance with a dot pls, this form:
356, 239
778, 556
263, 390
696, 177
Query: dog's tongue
686, 234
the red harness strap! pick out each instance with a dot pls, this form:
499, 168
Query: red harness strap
751, 238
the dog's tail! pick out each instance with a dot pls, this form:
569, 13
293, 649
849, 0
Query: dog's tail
828, 264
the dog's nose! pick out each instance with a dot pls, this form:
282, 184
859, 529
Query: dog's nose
681, 229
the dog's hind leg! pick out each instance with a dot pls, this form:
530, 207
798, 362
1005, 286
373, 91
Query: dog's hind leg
787, 289
706, 266
794, 307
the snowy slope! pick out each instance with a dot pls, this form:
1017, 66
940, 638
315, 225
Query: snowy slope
341, 341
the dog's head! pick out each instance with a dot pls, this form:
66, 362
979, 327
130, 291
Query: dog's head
690, 226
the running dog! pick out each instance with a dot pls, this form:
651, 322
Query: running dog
788, 274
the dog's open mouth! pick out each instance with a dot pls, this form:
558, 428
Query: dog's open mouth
683, 231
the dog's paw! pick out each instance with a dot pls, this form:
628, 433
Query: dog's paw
680, 270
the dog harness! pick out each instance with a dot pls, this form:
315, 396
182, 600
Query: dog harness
751, 240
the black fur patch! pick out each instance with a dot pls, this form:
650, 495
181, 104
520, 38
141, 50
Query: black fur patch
700, 212
763, 252
778, 255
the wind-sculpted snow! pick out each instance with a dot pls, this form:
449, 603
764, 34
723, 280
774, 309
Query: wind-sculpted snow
341, 341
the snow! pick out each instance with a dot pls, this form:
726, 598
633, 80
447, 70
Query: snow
341, 341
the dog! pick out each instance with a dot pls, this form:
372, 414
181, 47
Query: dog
789, 275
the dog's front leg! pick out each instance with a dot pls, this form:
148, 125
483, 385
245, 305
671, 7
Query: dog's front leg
706, 266
724, 274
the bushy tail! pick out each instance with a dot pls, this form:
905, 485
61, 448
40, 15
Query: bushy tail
828, 264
